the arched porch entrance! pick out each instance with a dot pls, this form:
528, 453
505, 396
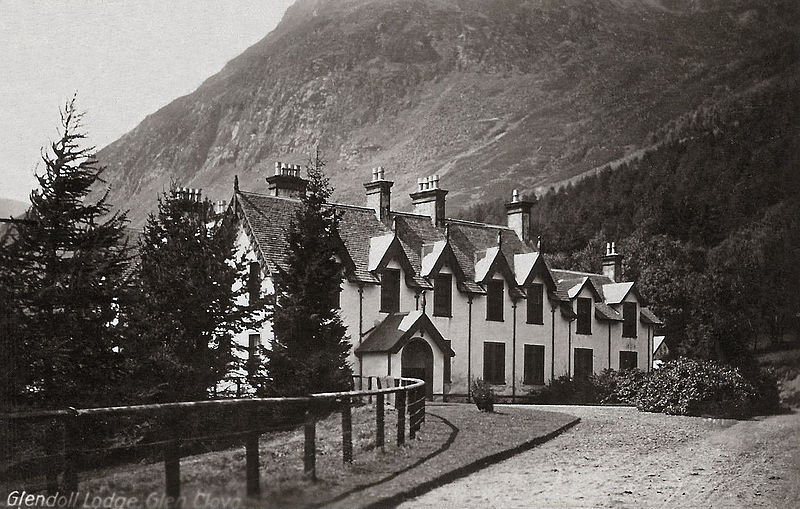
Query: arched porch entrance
417, 362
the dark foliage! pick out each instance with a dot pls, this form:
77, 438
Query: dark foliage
708, 222
483, 395
187, 307
695, 387
63, 272
310, 348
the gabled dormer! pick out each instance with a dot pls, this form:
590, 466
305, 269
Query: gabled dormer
534, 277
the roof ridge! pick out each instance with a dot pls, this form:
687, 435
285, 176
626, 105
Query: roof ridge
261, 195
476, 223
577, 272
348, 206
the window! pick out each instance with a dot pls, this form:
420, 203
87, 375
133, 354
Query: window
628, 360
583, 363
254, 283
584, 316
336, 298
536, 304
494, 363
533, 373
494, 300
390, 291
629, 317
442, 295
446, 370
254, 341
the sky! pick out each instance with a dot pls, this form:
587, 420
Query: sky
124, 58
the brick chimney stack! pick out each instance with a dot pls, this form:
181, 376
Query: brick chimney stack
429, 200
286, 182
612, 263
519, 217
379, 194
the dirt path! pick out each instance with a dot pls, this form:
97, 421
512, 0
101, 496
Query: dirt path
618, 457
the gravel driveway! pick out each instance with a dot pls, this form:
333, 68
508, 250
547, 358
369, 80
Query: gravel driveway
619, 457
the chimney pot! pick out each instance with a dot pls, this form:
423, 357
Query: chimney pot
514, 196
612, 263
379, 195
429, 200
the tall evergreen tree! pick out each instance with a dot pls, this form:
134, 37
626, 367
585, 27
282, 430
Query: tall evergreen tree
310, 348
190, 301
64, 271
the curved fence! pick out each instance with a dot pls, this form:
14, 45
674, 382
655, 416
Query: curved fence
49, 450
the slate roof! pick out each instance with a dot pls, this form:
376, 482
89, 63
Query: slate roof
607, 313
267, 218
397, 329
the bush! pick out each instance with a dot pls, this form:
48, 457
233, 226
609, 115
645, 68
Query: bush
565, 390
617, 387
707, 388
483, 395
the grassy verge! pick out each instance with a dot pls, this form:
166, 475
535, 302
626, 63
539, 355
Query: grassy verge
455, 439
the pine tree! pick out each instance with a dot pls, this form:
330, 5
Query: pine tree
188, 301
310, 348
65, 265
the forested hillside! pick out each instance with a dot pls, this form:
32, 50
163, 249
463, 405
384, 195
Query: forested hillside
709, 222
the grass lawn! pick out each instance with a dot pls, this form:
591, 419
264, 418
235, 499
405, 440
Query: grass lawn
455, 440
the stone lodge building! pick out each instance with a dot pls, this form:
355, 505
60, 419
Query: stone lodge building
448, 300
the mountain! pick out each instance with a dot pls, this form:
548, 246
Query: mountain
489, 94
12, 208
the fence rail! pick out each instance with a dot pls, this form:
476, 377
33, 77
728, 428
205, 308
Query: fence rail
64, 449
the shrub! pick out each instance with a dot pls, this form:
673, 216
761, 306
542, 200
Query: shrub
694, 387
565, 390
617, 387
483, 395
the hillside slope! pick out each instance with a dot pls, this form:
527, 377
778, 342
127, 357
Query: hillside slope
491, 95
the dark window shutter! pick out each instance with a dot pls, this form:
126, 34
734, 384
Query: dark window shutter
584, 316
533, 370
442, 295
629, 313
446, 370
494, 300
390, 290
254, 283
536, 304
494, 363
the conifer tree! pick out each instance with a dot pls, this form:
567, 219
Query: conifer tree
65, 265
189, 301
310, 348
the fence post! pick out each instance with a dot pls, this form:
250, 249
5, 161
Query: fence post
52, 440
310, 449
347, 431
400, 406
172, 463
72, 439
251, 455
379, 421
413, 394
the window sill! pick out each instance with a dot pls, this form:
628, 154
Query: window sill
495, 320
584, 333
443, 316
535, 323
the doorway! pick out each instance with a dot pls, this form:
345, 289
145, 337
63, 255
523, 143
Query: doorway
417, 362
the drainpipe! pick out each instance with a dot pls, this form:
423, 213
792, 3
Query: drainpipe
553, 344
469, 349
649, 350
569, 349
609, 345
514, 351
360, 334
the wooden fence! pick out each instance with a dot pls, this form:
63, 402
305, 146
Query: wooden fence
61, 464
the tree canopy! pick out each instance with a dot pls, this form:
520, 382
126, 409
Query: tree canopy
310, 348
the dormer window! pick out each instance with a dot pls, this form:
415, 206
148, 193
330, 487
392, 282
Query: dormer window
536, 304
629, 314
390, 291
494, 300
443, 295
584, 316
